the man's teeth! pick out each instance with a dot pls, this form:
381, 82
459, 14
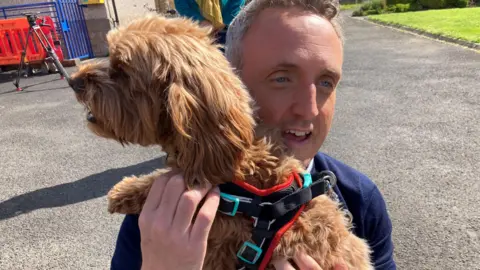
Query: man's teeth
298, 133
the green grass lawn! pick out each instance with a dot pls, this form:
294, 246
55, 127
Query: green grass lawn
349, 6
462, 23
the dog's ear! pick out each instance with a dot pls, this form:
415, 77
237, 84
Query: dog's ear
212, 135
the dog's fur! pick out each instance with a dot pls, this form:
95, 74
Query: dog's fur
167, 84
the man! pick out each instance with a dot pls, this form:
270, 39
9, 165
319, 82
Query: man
215, 13
289, 53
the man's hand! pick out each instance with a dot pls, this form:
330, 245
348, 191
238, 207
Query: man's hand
168, 238
304, 262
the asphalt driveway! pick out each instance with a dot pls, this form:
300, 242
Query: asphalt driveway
407, 116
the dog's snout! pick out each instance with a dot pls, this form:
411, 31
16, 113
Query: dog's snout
77, 84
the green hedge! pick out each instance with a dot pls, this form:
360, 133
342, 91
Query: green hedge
399, 8
395, 2
371, 8
439, 4
433, 4
457, 3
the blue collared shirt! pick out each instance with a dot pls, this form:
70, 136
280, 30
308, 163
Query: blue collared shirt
355, 191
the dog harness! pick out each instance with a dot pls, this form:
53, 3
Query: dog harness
273, 211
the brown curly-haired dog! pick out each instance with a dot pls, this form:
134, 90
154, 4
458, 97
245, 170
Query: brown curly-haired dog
167, 84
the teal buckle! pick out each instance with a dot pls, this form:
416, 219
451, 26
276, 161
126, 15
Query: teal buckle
251, 246
307, 180
231, 198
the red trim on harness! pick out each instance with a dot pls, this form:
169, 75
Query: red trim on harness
266, 192
298, 179
279, 234
277, 238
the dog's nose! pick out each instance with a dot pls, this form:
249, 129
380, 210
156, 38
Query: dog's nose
77, 84
91, 118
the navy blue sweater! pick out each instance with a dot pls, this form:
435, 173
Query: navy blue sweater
355, 190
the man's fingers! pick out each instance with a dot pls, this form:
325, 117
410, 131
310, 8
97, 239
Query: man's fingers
173, 191
155, 194
340, 267
187, 206
304, 261
206, 215
282, 264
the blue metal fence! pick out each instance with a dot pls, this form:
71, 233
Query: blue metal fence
69, 23
74, 28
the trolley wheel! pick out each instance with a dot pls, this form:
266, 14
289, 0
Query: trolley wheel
51, 68
44, 68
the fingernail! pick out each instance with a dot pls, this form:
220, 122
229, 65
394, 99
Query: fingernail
216, 190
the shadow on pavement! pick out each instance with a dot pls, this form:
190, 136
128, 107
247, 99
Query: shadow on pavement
90, 187
25, 87
6, 77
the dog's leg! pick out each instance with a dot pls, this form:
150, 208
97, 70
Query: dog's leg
129, 195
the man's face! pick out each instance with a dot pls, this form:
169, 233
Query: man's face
292, 63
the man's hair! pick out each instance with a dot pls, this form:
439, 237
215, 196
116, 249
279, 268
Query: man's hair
237, 30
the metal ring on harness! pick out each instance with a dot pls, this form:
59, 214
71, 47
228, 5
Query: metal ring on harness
330, 177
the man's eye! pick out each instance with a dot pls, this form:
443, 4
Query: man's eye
281, 79
326, 83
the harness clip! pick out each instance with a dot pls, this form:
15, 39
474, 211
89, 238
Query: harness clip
233, 199
307, 180
249, 252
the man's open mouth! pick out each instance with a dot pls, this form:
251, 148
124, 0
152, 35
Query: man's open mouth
296, 135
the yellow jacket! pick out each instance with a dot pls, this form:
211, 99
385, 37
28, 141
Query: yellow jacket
212, 11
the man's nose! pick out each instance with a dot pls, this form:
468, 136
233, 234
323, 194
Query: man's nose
305, 103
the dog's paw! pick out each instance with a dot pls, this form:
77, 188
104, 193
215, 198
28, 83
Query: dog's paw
129, 195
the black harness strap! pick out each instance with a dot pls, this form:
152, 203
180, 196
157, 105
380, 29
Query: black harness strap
271, 212
294, 200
